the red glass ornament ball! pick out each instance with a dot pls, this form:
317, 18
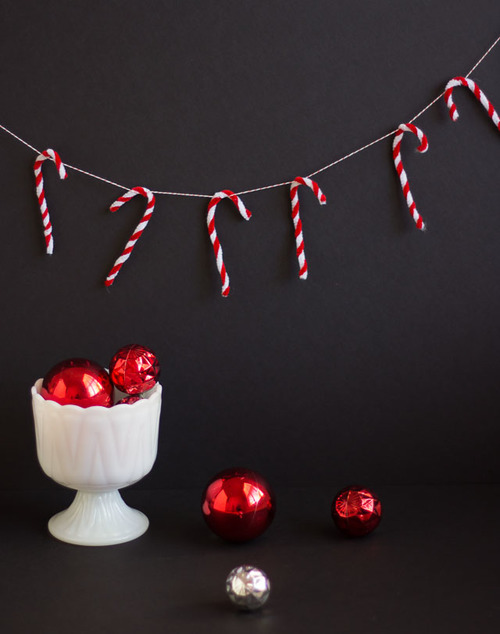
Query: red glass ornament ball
356, 511
134, 369
238, 504
78, 382
128, 400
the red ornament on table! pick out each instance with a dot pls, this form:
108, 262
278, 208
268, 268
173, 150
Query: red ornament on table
238, 504
356, 511
78, 382
134, 369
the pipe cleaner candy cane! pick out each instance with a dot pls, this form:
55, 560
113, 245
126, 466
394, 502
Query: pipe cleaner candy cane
398, 163
478, 93
40, 192
297, 223
212, 206
129, 247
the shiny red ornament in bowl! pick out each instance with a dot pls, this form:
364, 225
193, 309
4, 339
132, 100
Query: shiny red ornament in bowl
78, 382
238, 504
134, 369
128, 400
356, 511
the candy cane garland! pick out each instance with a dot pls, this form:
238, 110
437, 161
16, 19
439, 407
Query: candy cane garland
409, 127
398, 163
129, 247
297, 223
40, 192
478, 93
212, 206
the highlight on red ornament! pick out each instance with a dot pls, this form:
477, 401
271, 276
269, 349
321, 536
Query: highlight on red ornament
238, 504
356, 511
78, 382
134, 369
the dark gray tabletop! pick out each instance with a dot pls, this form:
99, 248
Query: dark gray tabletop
431, 566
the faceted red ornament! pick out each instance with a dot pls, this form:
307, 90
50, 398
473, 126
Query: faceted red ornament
78, 382
134, 369
356, 511
238, 504
128, 400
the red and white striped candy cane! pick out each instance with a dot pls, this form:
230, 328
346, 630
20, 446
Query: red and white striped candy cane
297, 223
478, 93
396, 154
212, 206
40, 192
129, 247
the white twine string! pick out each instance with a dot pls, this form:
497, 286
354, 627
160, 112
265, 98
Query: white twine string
275, 185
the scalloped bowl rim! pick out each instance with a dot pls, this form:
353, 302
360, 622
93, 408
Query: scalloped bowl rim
155, 393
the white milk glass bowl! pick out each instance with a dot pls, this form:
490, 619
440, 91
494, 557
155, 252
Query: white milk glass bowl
97, 450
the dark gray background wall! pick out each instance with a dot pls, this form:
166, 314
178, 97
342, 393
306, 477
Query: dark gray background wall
384, 366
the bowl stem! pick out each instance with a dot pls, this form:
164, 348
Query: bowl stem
98, 519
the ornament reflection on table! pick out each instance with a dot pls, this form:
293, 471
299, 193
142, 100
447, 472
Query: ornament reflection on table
238, 504
96, 450
356, 511
248, 587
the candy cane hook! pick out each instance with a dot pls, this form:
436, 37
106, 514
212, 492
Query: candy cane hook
297, 223
478, 93
40, 192
398, 163
212, 206
129, 247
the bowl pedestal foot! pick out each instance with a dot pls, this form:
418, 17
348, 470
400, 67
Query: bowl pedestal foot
98, 519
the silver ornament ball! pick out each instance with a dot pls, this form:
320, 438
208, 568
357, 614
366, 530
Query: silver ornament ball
248, 587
